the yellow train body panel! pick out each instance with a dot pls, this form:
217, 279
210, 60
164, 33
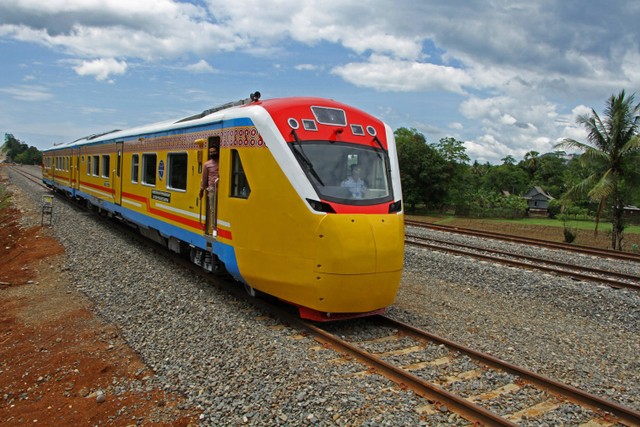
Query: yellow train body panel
324, 262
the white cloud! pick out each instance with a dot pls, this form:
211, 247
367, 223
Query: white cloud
201, 66
28, 93
631, 67
308, 67
146, 29
387, 74
101, 68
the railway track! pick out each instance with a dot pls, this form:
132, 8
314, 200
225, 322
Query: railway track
452, 377
31, 177
529, 241
579, 272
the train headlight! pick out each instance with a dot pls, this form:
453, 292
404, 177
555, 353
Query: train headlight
293, 123
395, 206
320, 206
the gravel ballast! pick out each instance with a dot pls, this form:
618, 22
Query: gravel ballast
240, 370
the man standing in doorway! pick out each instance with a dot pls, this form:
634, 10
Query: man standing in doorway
209, 183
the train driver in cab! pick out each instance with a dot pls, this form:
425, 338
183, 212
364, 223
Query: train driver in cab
355, 183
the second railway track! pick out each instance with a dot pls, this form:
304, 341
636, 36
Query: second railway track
580, 272
627, 256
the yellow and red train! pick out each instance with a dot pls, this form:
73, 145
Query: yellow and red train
285, 223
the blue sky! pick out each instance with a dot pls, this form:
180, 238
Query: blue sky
506, 76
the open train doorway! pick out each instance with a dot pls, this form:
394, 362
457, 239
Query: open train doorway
210, 180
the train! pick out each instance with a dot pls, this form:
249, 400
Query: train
282, 222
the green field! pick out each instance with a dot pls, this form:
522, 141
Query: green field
547, 222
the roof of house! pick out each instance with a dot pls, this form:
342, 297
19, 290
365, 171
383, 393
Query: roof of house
535, 191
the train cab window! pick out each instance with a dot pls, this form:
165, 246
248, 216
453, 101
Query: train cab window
135, 168
149, 164
239, 184
177, 171
346, 173
96, 165
106, 169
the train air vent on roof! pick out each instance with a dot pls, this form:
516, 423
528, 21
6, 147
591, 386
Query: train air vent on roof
330, 116
309, 124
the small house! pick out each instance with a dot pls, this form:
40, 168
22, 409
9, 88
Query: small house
538, 200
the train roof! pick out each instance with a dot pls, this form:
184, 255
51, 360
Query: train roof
274, 106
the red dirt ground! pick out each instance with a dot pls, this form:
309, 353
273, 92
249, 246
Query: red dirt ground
56, 358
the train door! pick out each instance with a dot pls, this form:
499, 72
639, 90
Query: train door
210, 200
117, 174
74, 169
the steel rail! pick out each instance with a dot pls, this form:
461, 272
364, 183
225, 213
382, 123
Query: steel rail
611, 282
616, 274
28, 175
527, 240
628, 415
405, 379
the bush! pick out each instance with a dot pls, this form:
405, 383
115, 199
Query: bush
569, 234
555, 207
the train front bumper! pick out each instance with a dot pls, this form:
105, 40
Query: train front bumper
358, 262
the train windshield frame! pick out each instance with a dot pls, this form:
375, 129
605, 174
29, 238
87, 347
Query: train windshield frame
346, 173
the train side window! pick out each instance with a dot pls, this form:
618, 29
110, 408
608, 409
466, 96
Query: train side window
177, 171
239, 184
106, 169
135, 168
96, 165
88, 165
149, 164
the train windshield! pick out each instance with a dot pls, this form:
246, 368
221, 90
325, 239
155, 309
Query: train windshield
346, 173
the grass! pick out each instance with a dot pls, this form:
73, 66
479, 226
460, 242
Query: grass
580, 225
5, 197
547, 222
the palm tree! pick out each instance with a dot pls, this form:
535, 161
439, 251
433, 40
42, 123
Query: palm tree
531, 161
613, 150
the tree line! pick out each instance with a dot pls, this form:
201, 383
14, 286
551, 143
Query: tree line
19, 152
601, 180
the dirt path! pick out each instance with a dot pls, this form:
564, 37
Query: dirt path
59, 364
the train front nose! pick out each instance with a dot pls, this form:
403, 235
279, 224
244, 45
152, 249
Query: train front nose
358, 262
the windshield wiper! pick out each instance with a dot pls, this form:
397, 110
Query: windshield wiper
303, 157
384, 152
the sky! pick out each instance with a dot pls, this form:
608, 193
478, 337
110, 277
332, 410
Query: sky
504, 76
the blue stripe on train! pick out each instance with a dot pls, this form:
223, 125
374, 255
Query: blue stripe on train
226, 253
